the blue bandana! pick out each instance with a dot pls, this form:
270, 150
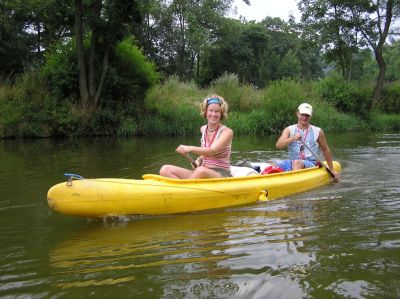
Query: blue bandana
213, 101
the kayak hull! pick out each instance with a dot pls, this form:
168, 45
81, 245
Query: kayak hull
156, 195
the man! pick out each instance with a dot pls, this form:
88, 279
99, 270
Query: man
299, 156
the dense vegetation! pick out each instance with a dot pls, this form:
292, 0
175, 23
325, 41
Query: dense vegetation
115, 67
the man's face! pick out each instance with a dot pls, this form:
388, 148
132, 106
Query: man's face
303, 119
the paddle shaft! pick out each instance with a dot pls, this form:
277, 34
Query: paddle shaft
318, 158
190, 159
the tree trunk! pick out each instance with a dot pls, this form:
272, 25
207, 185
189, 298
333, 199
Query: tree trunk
89, 87
80, 51
350, 69
39, 36
378, 50
102, 77
96, 8
381, 77
198, 66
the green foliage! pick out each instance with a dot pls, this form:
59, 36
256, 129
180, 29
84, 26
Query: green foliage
27, 110
280, 101
166, 98
175, 32
135, 73
246, 52
259, 53
240, 97
60, 70
384, 122
253, 122
290, 65
129, 77
174, 109
391, 96
392, 58
366, 69
345, 96
16, 43
329, 119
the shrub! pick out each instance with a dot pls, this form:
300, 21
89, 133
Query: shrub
391, 98
60, 71
133, 74
29, 110
239, 97
253, 122
174, 109
384, 122
329, 119
344, 96
280, 102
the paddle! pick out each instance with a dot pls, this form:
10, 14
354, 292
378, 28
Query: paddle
318, 158
194, 164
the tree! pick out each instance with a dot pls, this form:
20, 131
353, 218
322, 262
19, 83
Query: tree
176, 32
259, 52
344, 26
242, 49
290, 65
28, 29
373, 20
102, 24
327, 23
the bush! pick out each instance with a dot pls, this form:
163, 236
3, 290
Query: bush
344, 96
173, 109
391, 98
132, 73
239, 97
60, 71
329, 119
249, 123
280, 102
384, 122
29, 110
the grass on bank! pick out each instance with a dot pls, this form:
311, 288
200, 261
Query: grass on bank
27, 109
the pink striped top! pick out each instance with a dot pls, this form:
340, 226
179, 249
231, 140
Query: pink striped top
222, 158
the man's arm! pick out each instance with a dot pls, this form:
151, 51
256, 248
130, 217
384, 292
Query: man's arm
323, 144
285, 139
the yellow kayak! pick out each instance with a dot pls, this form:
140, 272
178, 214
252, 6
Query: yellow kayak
156, 195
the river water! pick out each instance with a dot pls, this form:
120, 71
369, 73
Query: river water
337, 241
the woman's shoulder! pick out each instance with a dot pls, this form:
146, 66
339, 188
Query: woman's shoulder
226, 129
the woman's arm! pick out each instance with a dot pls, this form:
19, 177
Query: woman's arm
225, 139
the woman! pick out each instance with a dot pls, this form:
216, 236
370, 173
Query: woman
215, 150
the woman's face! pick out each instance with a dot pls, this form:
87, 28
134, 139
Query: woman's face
213, 113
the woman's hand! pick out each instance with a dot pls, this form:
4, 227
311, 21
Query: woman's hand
183, 149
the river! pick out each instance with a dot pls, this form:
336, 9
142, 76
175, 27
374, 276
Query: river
337, 241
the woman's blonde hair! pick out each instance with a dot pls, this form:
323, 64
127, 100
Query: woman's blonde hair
214, 99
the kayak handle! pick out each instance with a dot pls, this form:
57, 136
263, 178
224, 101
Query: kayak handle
263, 196
71, 176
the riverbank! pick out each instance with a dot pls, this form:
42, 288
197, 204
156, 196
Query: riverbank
172, 109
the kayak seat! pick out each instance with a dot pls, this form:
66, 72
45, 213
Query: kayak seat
243, 171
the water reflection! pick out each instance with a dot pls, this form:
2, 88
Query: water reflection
336, 241
212, 254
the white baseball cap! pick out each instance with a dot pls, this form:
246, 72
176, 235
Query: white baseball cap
305, 109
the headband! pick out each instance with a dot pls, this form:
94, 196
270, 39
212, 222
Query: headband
213, 101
